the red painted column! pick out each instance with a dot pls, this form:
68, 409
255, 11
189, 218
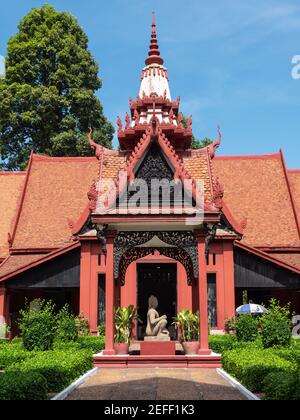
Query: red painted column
110, 292
85, 278
184, 291
229, 279
4, 312
95, 248
202, 288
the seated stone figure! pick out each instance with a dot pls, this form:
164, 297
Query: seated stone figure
156, 325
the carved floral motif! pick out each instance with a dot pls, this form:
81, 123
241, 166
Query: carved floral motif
185, 249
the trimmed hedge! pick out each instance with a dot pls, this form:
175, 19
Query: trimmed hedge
92, 343
251, 367
95, 344
59, 368
22, 386
292, 355
282, 386
221, 343
9, 354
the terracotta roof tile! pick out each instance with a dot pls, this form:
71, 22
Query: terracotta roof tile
112, 164
256, 191
11, 184
292, 259
198, 166
15, 262
294, 178
56, 190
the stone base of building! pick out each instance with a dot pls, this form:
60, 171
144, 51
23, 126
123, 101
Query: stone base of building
161, 361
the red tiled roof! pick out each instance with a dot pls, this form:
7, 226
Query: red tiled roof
195, 164
256, 191
272, 257
15, 262
198, 165
294, 178
10, 188
55, 191
292, 259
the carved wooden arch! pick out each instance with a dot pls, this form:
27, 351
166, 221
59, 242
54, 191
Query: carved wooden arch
183, 241
175, 253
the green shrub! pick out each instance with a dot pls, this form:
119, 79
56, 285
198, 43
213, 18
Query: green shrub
292, 354
91, 343
101, 330
66, 329
276, 326
282, 386
59, 368
22, 386
246, 328
251, 366
95, 344
37, 325
221, 343
10, 355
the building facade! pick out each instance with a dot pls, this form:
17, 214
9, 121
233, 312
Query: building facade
80, 231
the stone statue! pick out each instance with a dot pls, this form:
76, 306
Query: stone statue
156, 325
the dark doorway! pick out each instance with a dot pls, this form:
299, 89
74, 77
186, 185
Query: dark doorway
159, 280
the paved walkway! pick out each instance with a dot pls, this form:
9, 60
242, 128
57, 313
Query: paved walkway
156, 384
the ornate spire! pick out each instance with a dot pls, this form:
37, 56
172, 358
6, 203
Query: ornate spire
154, 54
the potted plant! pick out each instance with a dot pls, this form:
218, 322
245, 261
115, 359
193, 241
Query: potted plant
189, 323
124, 319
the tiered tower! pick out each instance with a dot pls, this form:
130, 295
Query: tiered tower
154, 106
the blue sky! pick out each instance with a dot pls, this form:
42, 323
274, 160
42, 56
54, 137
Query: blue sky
229, 60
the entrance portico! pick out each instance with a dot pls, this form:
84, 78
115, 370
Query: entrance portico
152, 229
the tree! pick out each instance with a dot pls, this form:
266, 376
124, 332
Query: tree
48, 95
196, 143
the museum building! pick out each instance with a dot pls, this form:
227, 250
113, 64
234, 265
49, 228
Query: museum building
232, 223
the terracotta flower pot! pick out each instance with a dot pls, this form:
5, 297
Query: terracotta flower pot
190, 347
122, 348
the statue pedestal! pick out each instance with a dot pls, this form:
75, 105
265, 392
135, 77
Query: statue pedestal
158, 339
158, 348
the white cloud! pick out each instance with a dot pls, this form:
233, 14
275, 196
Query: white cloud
2, 67
224, 18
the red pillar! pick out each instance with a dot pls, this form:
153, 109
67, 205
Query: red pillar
4, 312
202, 288
85, 277
109, 298
184, 291
94, 283
229, 279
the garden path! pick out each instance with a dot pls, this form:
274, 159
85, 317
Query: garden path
156, 384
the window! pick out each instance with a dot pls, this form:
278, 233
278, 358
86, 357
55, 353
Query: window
101, 299
212, 299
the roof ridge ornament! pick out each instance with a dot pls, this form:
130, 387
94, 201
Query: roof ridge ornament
154, 53
216, 144
98, 149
